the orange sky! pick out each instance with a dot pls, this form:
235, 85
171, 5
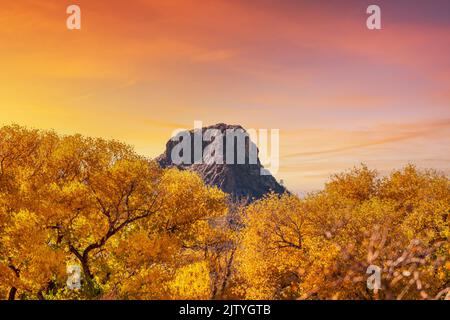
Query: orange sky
339, 93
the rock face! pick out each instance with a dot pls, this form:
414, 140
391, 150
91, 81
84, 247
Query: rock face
242, 181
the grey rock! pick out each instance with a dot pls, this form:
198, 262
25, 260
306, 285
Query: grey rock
242, 181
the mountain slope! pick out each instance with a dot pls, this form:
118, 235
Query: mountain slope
241, 181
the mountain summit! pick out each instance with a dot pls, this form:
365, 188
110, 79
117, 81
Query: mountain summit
242, 181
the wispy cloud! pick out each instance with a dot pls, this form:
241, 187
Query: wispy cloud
392, 133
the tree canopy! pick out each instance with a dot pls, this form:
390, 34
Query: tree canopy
137, 231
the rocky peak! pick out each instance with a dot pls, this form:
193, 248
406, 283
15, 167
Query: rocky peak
241, 181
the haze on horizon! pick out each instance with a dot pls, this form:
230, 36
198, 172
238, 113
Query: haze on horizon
339, 93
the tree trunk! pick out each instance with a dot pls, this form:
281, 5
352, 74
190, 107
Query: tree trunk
12, 293
86, 269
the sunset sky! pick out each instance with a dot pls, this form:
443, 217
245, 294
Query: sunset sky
339, 93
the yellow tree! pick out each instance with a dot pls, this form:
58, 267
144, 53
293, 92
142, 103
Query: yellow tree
327, 241
271, 248
137, 231
28, 263
163, 256
67, 195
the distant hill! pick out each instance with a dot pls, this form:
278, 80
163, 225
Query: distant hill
241, 181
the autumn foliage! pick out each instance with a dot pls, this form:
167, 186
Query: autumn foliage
320, 247
140, 232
